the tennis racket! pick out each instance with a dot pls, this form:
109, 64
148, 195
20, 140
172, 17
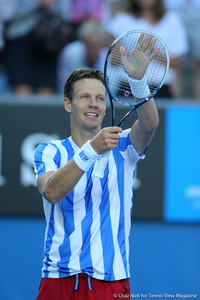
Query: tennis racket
135, 69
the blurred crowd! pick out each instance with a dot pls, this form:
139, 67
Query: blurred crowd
90, 27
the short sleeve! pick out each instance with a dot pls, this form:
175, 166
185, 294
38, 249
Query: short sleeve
126, 148
45, 159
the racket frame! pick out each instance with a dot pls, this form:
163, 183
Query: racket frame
139, 103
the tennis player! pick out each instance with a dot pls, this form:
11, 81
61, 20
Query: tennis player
86, 251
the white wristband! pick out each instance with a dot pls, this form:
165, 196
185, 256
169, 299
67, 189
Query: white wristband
139, 88
85, 157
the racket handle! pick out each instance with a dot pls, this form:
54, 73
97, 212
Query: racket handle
100, 166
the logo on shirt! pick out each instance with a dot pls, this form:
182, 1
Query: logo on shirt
41, 166
83, 156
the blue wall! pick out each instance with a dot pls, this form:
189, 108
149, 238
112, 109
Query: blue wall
182, 164
164, 258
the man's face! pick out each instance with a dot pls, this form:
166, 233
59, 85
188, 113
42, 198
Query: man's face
88, 105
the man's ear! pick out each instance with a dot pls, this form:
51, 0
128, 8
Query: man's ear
67, 105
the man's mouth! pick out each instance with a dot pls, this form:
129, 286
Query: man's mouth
90, 114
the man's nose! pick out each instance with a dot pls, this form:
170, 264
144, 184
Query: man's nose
93, 101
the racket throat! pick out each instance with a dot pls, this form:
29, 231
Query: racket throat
112, 116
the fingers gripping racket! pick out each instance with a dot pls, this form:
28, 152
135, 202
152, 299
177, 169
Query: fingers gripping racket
135, 69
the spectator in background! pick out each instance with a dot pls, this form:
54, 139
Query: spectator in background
88, 51
152, 16
29, 71
79, 11
189, 11
6, 12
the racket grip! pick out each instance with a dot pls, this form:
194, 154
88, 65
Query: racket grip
100, 165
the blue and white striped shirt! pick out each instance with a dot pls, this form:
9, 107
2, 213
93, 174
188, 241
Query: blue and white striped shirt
88, 230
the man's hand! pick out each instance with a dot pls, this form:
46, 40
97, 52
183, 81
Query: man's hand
135, 65
107, 139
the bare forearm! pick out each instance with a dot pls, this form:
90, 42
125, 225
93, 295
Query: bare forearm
144, 127
61, 182
148, 116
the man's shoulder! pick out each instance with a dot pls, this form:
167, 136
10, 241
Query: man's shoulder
125, 132
52, 144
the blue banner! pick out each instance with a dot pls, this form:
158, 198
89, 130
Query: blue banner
182, 164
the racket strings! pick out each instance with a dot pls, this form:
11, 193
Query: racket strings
154, 69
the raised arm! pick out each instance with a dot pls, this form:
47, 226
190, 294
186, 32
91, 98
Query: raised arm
143, 129
135, 65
